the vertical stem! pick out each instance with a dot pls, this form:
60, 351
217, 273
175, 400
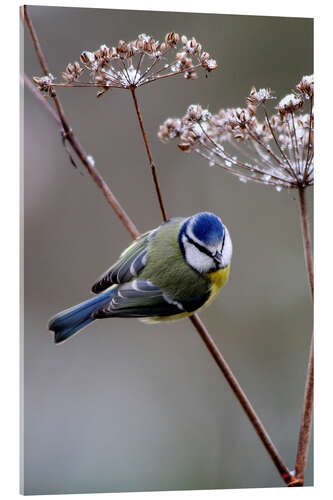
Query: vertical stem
306, 422
151, 163
306, 236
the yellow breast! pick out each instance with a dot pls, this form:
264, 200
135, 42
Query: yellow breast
217, 280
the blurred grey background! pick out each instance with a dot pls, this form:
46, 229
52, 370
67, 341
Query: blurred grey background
125, 406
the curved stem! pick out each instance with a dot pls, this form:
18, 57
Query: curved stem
151, 163
306, 421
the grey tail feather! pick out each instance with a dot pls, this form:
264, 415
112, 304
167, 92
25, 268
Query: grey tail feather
68, 322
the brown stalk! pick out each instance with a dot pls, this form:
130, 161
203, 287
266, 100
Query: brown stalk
70, 137
244, 401
306, 421
197, 323
151, 163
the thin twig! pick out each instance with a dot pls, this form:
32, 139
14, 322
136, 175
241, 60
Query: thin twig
306, 422
151, 163
288, 167
308, 159
296, 142
285, 474
239, 163
70, 137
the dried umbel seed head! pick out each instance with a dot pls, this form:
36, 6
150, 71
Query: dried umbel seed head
257, 97
44, 82
290, 103
240, 119
190, 136
171, 39
277, 150
191, 47
131, 64
170, 129
73, 72
191, 75
105, 51
209, 64
306, 86
196, 113
87, 57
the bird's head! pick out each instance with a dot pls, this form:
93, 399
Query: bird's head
205, 242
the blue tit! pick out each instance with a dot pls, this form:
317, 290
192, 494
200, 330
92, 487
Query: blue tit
165, 274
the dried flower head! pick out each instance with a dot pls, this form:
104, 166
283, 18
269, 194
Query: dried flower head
73, 72
129, 65
290, 103
279, 146
257, 97
44, 83
305, 86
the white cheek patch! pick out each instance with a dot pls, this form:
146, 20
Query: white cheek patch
196, 259
227, 249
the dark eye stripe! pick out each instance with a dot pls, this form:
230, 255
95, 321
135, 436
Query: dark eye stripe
199, 247
223, 240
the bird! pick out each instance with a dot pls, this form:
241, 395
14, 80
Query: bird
166, 274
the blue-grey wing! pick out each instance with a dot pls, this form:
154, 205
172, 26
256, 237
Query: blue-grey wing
128, 266
142, 299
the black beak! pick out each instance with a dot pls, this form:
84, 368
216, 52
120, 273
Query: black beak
218, 258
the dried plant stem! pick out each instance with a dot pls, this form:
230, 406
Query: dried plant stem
151, 163
306, 236
244, 401
70, 137
306, 422
197, 323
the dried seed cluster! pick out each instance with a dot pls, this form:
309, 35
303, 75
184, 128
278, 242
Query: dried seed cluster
135, 63
44, 82
279, 145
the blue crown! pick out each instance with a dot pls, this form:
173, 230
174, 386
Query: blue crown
208, 228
